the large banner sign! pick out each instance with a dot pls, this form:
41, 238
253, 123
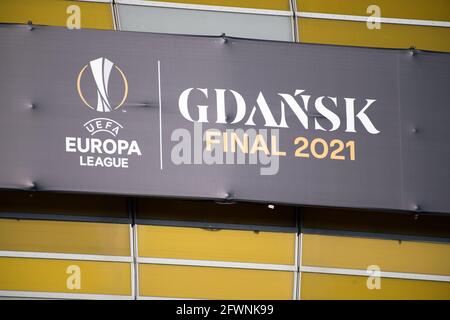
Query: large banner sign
224, 118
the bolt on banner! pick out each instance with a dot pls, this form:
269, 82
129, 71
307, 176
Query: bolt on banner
198, 117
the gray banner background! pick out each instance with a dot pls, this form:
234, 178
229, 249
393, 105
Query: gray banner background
405, 167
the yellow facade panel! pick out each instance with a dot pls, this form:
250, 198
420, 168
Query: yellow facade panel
329, 287
255, 4
54, 12
389, 255
40, 275
389, 36
213, 283
65, 237
216, 244
405, 9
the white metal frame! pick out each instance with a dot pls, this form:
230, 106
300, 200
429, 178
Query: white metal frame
217, 264
346, 17
293, 20
64, 256
383, 274
201, 7
293, 13
299, 294
295, 23
113, 15
296, 254
61, 295
136, 263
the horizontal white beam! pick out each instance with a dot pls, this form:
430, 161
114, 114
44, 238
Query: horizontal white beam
64, 256
101, 1
344, 17
217, 264
61, 295
383, 274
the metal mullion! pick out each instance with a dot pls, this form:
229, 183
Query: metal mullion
134, 245
293, 4
296, 253
217, 264
300, 255
117, 15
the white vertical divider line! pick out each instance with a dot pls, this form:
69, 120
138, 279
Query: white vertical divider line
119, 24
291, 8
116, 19
295, 289
300, 266
132, 264
113, 15
293, 4
160, 116
299, 29
136, 253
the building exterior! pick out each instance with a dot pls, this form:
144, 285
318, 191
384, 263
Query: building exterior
189, 236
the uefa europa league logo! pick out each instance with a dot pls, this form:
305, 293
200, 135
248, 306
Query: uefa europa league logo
101, 69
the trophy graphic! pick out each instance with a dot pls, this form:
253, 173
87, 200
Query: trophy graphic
101, 70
